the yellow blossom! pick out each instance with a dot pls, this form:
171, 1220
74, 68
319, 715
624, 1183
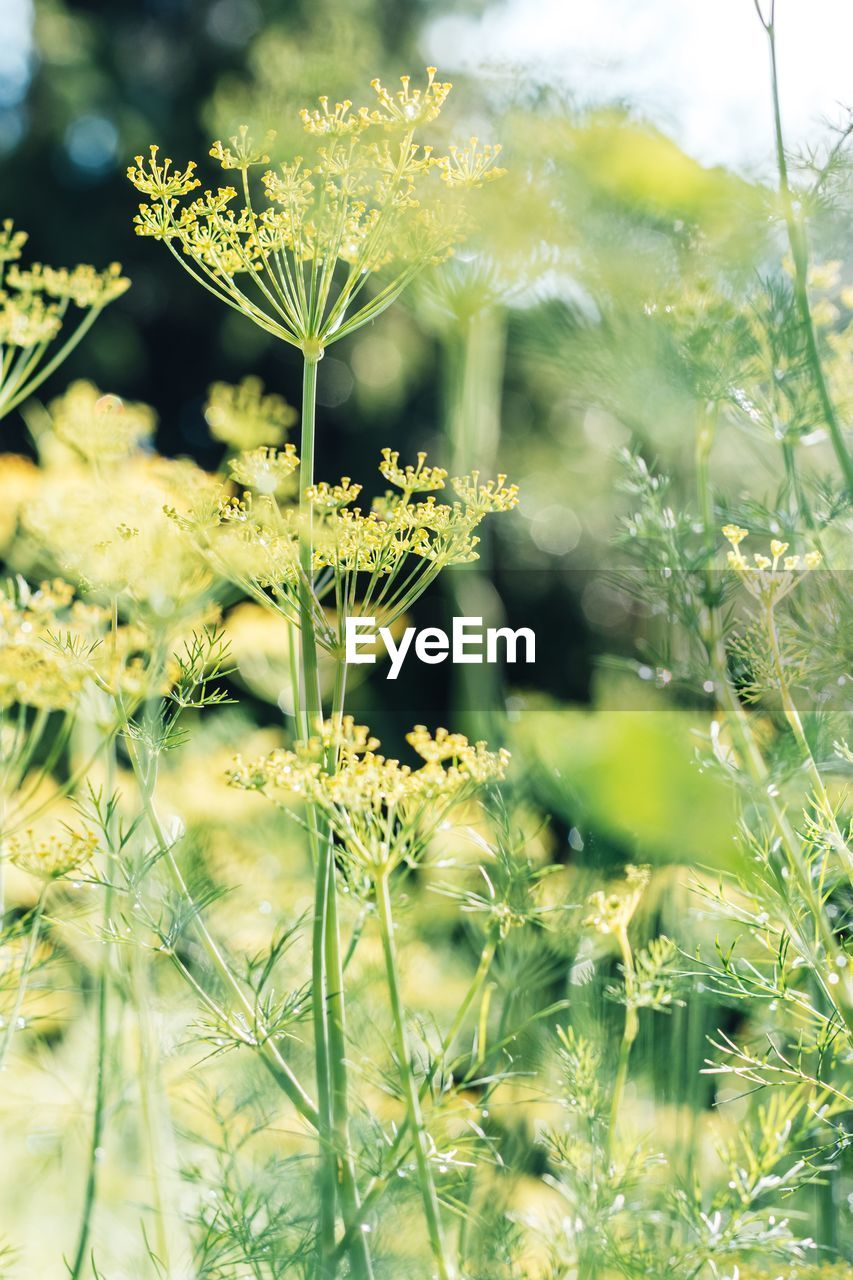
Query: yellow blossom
244, 417
369, 202
54, 856
734, 534
411, 479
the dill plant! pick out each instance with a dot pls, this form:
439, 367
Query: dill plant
370, 201
513, 1124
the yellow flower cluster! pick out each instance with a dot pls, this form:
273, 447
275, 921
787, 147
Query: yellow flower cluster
382, 811
33, 306
254, 539
764, 576
54, 856
411, 479
36, 670
98, 427
244, 417
364, 197
266, 470
108, 530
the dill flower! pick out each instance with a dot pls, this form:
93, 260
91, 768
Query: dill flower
364, 195
265, 469
111, 532
54, 856
100, 428
34, 303
377, 560
333, 496
493, 495
411, 479
36, 668
244, 417
765, 578
382, 811
613, 911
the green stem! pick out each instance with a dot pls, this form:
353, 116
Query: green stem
337, 1164
336, 1023
413, 1103
474, 361
379, 1185
307, 699
102, 1043
799, 254
629, 1035
486, 957
29, 956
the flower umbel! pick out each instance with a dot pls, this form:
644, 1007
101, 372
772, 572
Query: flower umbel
34, 303
382, 811
364, 196
764, 577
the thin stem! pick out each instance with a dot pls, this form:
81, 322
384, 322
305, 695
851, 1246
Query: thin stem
336, 1023
102, 1041
474, 360
413, 1104
486, 957
336, 1160
310, 721
23, 980
799, 254
629, 1035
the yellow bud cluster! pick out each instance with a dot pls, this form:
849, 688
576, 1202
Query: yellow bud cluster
244, 417
54, 856
382, 811
266, 470
100, 428
370, 202
333, 496
411, 479
765, 578
471, 166
33, 306
493, 495
254, 537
